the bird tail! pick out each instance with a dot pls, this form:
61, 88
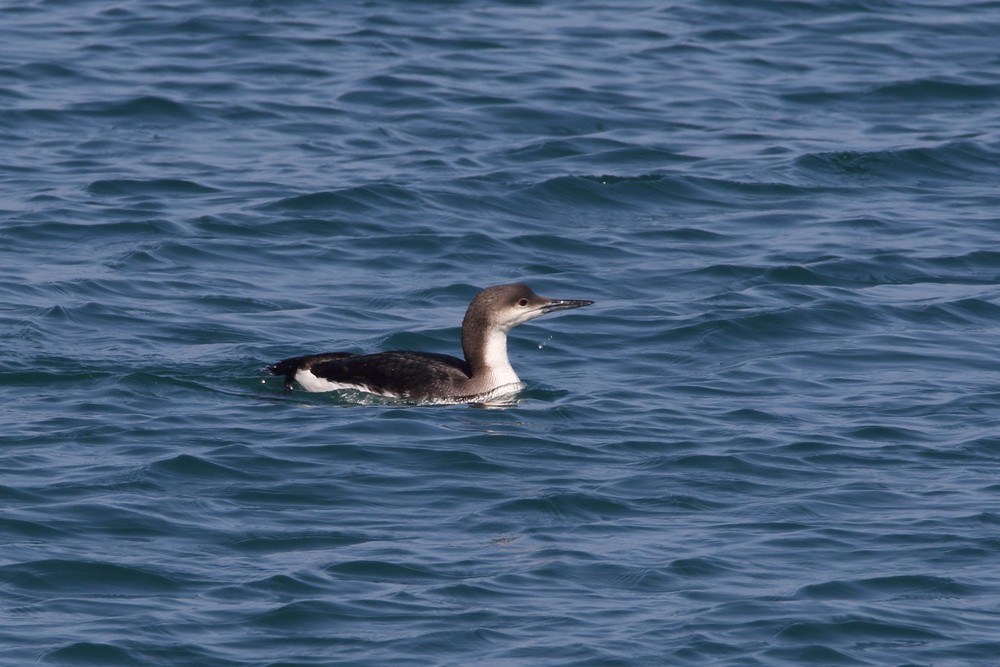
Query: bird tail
289, 367
286, 367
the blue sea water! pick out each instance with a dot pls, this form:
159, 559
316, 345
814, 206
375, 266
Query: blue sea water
774, 439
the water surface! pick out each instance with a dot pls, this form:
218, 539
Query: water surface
772, 441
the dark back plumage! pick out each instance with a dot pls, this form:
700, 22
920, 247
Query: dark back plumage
416, 375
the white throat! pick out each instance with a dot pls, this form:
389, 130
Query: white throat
497, 365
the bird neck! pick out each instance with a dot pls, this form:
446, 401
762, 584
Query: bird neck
486, 353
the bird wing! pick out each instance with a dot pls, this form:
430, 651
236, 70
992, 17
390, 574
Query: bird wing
404, 374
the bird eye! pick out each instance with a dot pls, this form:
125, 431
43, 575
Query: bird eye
522, 302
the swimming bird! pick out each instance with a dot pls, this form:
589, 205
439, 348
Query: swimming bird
485, 373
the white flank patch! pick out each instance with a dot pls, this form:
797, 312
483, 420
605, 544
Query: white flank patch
317, 384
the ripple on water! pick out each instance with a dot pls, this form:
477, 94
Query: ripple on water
772, 440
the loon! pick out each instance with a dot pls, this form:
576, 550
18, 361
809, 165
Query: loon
423, 376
